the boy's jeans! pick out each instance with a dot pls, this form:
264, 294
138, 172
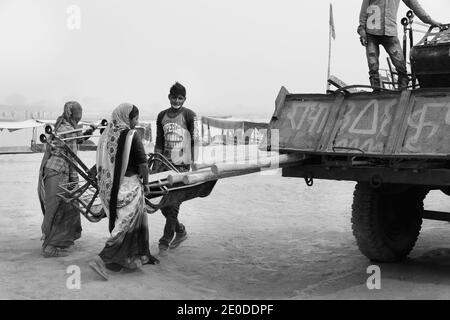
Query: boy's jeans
171, 214
172, 224
395, 52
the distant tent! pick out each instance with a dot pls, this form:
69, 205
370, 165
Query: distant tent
17, 125
233, 124
238, 131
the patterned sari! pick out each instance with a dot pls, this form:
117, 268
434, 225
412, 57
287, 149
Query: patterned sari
122, 197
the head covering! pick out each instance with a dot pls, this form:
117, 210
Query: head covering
69, 107
113, 152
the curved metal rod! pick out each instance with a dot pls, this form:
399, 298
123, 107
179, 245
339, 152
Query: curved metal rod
341, 90
102, 124
77, 130
348, 148
161, 158
81, 137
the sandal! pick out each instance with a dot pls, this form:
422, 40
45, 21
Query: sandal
98, 266
149, 260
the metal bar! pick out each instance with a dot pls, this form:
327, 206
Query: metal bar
404, 156
391, 71
426, 177
92, 200
411, 44
158, 184
77, 160
77, 169
220, 171
436, 215
327, 88
199, 166
80, 137
242, 166
76, 130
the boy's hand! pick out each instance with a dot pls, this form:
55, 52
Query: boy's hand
439, 25
363, 40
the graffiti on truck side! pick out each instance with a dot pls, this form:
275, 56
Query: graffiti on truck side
365, 126
368, 125
308, 116
424, 124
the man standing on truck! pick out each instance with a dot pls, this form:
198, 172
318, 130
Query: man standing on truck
378, 26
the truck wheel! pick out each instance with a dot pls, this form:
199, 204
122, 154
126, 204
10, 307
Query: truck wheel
386, 225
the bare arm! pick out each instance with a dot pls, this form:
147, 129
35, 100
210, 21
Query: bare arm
415, 6
159, 143
143, 172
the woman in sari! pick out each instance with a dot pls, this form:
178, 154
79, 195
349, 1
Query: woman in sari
122, 173
62, 224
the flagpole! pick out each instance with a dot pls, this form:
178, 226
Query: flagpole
329, 58
329, 47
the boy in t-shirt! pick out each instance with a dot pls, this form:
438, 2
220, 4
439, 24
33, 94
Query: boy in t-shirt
177, 140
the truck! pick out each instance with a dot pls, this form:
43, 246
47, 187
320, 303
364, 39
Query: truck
394, 144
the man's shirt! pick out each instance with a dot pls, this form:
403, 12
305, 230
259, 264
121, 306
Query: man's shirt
379, 17
177, 134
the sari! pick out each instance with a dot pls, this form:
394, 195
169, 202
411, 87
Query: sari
61, 224
122, 197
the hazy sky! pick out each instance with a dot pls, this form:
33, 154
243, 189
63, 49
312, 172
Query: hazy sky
233, 55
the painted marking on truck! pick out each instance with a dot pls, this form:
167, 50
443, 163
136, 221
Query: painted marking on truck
310, 115
302, 122
374, 105
366, 126
426, 122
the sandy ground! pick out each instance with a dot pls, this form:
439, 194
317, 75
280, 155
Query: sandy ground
255, 237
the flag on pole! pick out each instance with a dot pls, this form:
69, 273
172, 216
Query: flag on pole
332, 30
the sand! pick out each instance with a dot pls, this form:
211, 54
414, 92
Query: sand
255, 237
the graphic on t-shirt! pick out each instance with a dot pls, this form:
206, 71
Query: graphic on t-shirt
173, 136
374, 17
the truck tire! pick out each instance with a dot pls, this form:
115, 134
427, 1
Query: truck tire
386, 225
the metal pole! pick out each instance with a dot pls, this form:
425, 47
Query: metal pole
329, 58
411, 44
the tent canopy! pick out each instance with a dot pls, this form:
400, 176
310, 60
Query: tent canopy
17, 125
233, 124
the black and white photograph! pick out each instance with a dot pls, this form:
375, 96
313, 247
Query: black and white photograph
224, 155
